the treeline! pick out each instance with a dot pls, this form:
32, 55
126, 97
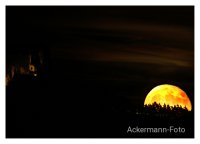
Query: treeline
156, 109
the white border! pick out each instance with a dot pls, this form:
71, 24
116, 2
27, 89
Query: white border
2, 72
100, 2
3, 3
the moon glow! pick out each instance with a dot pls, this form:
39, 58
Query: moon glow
168, 94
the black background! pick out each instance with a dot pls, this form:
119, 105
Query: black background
100, 63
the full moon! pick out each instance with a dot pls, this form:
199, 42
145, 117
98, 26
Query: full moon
170, 95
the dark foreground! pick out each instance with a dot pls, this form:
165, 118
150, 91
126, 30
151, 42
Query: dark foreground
37, 107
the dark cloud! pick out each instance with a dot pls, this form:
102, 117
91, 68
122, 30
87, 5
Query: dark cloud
129, 38
130, 43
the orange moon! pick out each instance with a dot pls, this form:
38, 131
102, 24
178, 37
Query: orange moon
168, 94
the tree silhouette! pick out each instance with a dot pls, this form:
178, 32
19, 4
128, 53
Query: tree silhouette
165, 110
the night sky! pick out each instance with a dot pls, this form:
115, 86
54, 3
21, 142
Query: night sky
101, 60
